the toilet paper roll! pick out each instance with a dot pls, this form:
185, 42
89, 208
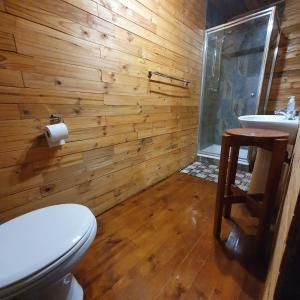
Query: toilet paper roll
56, 134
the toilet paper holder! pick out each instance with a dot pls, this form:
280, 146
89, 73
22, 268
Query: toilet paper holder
56, 119
56, 132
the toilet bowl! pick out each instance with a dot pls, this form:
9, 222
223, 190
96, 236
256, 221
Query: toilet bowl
39, 249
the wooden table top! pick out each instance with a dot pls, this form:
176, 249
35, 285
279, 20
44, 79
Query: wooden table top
257, 133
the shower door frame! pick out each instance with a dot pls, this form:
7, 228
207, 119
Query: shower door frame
273, 15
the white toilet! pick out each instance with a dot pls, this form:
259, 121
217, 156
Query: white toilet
39, 249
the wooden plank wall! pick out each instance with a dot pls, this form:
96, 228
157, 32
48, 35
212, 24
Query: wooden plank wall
88, 60
288, 210
286, 79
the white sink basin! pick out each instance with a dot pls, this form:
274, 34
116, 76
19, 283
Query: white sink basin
275, 122
263, 157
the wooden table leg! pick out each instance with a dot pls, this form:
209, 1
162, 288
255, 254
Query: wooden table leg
278, 154
233, 161
221, 184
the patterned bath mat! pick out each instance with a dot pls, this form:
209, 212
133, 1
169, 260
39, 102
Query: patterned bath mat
210, 172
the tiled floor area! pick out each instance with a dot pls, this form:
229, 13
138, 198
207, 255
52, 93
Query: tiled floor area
210, 172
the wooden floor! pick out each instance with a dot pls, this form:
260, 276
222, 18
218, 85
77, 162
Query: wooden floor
159, 245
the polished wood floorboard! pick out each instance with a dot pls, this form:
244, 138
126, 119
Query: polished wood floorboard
159, 245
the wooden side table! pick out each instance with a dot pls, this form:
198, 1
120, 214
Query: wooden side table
228, 193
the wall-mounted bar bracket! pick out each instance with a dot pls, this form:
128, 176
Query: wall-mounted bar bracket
150, 73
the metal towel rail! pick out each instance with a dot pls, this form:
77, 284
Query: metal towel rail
150, 73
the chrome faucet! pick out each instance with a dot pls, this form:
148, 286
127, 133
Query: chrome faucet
281, 112
289, 112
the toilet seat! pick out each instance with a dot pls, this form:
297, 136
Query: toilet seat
76, 224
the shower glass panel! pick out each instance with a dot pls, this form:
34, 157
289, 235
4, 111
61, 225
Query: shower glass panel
234, 67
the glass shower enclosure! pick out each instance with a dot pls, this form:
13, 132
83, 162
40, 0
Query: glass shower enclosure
239, 59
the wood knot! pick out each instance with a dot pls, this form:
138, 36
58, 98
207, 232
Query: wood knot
26, 112
77, 110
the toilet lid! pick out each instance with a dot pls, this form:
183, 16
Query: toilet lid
32, 241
